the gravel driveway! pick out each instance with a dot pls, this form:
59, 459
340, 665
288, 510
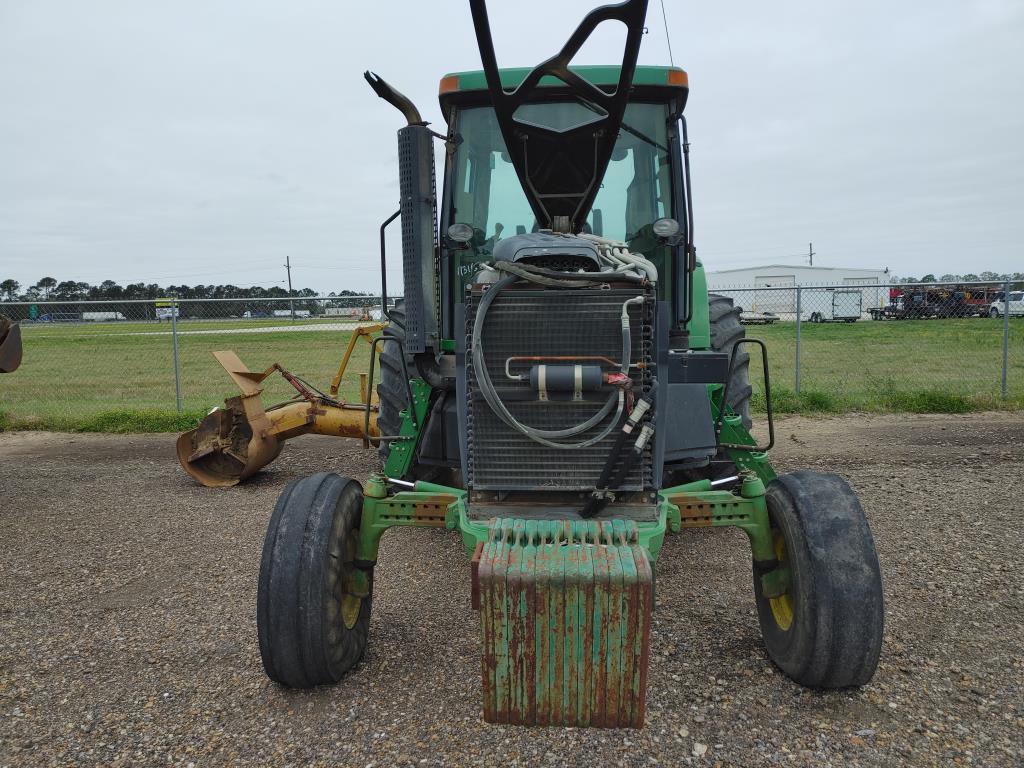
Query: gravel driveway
127, 620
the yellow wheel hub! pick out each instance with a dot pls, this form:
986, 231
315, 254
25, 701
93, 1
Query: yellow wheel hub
782, 606
351, 604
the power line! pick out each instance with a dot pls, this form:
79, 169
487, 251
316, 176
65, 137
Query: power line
184, 273
756, 249
668, 39
767, 257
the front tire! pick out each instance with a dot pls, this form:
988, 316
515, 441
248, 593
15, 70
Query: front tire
825, 631
312, 622
993, 312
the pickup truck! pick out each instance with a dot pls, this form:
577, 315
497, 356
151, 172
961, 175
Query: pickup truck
997, 307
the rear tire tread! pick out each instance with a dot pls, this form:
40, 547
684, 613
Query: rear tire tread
391, 390
726, 330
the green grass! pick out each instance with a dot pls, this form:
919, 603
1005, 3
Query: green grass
117, 421
919, 366
107, 378
89, 382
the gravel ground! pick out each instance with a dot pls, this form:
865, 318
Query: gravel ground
127, 621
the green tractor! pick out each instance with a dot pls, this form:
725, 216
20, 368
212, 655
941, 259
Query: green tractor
559, 387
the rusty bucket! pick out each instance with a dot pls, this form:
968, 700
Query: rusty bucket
227, 447
235, 442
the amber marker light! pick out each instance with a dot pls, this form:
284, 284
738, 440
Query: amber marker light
675, 77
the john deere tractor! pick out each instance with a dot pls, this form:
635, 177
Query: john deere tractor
560, 388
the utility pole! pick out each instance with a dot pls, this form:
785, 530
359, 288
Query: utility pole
291, 301
810, 254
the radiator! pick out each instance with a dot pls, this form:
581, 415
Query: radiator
549, 323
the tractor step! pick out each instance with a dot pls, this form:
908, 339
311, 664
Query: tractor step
565, 620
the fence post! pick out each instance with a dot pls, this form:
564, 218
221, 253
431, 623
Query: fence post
177, 362
1006, 337
798, 313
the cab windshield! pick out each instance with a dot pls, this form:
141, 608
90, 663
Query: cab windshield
636, 190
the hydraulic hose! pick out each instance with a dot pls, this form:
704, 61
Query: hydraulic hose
602, 495
544, 437
618, 251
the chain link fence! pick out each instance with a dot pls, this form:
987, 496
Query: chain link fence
82, 359
908, 346
866, 346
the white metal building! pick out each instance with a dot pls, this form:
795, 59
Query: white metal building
827, 280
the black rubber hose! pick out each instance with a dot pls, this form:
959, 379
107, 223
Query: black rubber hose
626, 466
599, 500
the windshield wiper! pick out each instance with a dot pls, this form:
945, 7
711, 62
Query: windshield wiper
626, 127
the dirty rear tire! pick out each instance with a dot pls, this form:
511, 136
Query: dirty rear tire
391, 390
834, 637
726, 330
305, 639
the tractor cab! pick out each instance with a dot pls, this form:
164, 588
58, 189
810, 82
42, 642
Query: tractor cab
642, 182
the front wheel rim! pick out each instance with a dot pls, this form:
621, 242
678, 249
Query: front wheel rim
351, 604
341, 576
781, 606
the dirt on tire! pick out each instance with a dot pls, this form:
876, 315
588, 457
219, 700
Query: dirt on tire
128, 620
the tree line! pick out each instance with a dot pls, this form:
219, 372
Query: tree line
985, 277
63, 299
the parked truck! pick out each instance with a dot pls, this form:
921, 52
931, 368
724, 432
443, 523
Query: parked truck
1016, 307
938, 301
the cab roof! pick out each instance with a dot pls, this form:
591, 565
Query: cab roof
645, 77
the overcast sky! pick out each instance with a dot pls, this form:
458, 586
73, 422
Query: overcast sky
201, 142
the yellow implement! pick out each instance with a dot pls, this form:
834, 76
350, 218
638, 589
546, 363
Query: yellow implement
236, 441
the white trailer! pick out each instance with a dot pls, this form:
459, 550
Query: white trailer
288, 313
828, 305
354, 313
102, 316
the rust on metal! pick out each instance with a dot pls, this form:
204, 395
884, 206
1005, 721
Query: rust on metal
565, 611
234, 442
698, 511
364, 332
427, 509
474, 575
